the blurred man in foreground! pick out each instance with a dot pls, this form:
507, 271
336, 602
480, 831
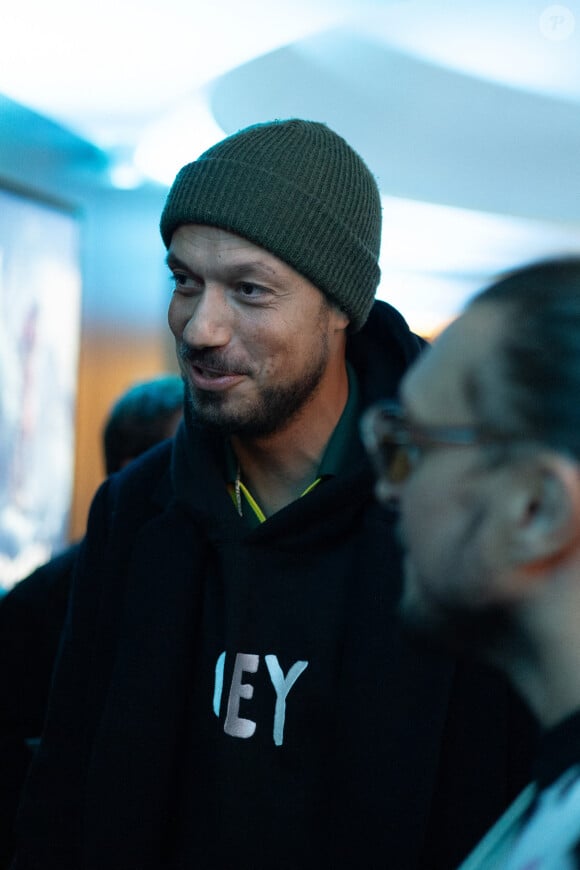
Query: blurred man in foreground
483, 458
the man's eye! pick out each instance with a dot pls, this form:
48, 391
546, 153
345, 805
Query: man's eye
182, 281
251, 291
247, 289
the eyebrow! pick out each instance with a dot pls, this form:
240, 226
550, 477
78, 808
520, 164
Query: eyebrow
174, 262
250, 267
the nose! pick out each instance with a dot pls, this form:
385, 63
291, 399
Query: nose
210, 322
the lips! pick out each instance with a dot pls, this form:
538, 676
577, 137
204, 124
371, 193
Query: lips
210, 369
208, 378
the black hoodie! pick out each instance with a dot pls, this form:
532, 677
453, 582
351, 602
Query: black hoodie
229, 697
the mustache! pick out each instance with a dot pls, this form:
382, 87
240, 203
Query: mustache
215, 360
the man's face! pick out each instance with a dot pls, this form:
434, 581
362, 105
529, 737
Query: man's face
256, 341
447, 502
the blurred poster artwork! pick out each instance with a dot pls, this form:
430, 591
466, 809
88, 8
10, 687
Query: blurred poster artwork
40, 293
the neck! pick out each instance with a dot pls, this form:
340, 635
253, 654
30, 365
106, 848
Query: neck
544, 665
278, 468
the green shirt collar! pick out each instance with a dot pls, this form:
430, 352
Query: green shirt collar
335, 456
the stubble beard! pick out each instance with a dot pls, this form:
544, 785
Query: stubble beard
272, 409
442, 626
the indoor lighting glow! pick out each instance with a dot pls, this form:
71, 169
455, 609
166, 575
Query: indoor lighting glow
435, 257
178, 138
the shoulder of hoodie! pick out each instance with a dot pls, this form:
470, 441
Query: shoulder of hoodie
385, 322
145, 483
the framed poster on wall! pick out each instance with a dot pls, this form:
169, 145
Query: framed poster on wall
40, 295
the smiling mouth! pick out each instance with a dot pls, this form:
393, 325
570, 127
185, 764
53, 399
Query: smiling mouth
213, 373
209, 378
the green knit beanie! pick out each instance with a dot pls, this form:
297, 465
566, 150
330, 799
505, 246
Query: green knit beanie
298, 190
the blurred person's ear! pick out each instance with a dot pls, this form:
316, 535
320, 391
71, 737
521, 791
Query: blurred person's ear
536, 515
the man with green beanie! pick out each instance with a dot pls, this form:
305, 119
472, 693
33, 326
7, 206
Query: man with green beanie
233, 689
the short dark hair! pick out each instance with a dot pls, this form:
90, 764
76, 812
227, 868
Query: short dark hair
140, 418
540, 349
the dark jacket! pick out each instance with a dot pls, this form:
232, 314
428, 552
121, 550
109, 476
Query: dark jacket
228, 697
31, 619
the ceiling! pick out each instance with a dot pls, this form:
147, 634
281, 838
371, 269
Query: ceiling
468, 113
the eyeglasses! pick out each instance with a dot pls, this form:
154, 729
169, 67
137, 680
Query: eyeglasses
396, 444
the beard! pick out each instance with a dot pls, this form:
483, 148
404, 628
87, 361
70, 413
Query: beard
272, 407
480, 632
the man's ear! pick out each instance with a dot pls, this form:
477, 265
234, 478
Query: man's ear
540, 511
340, 319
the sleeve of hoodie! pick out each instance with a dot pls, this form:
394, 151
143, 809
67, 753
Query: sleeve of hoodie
50, 816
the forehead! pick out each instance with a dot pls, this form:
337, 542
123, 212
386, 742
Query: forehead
201, 243
462, 365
